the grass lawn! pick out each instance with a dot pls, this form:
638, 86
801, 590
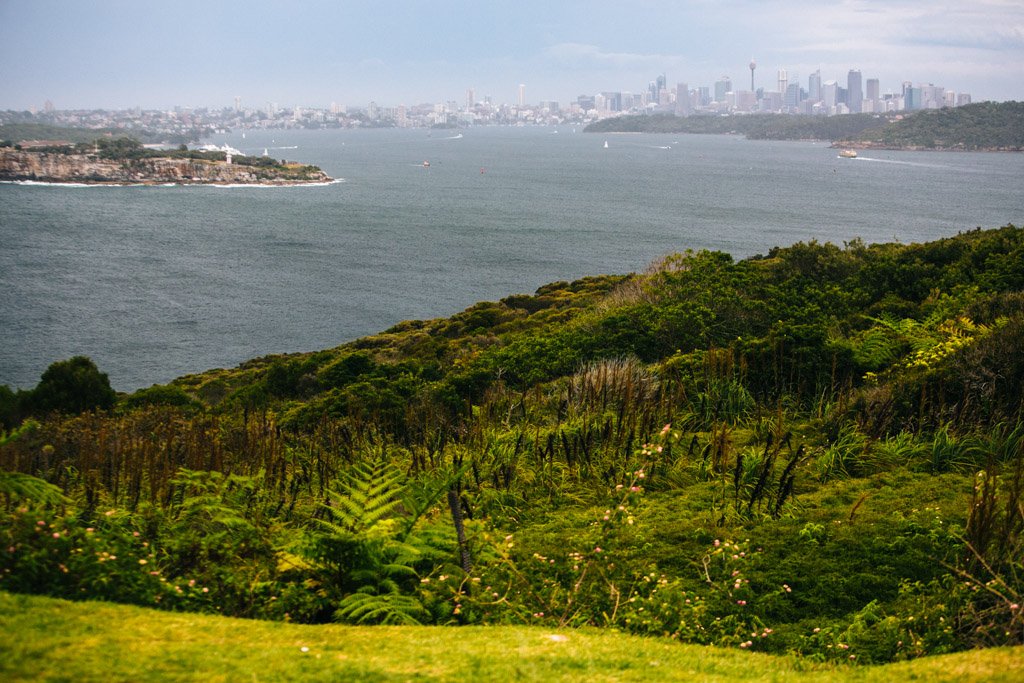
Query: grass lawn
54, 640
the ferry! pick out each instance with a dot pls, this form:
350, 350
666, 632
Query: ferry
848, 154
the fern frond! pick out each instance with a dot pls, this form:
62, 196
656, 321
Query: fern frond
368, 494
27, 487
391, 608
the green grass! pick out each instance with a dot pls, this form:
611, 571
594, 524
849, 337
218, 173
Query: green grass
43, 639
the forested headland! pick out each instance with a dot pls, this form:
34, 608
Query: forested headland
983, 126
816, 451
127, 161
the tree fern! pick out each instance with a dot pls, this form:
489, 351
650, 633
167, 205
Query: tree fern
369, 494
390, 608
371, 548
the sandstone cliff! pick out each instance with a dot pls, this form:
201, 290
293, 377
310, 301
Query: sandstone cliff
82, 168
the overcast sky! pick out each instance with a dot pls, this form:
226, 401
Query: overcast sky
126, 53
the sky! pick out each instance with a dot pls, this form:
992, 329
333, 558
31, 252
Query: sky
114, 54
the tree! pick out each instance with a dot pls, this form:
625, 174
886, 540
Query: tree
8, 407
71, 386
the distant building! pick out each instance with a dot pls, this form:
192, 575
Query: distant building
522, 95
830, 94
771, 100
746, 100
913, 99
722, 86
791, 98
854, 93
612, 101
682, 99
814, 86
872, 89
783, 80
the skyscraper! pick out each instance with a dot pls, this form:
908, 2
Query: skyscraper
854, 93
522, 95
814, 86
872, 89
682, 99
721, 87
830, 93
783, 80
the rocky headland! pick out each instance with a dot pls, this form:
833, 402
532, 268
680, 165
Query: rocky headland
20, 165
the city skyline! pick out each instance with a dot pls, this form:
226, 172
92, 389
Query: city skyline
116, 54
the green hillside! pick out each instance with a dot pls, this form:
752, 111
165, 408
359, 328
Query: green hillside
817, 452
979, 126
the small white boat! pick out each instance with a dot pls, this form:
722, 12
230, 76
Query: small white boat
606, 144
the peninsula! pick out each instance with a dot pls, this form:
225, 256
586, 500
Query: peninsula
126, 162
979, 127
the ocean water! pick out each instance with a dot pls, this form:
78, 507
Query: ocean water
157, 282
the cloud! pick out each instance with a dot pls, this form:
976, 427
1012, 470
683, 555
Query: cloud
584, 56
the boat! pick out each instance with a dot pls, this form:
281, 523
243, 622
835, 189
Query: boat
426, 164
847, 154
606, 144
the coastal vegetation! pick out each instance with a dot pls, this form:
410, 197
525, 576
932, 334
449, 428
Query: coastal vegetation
816, 453
976, 127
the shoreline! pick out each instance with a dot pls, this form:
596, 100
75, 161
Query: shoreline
33, 182
864, 145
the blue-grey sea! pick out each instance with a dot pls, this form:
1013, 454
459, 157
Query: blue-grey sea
157, 282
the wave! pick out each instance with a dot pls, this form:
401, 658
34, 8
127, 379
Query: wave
234, 186
903, 163
41, 183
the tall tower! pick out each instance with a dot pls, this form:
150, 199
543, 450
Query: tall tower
753, 65
854, 93
783, 80
522, 94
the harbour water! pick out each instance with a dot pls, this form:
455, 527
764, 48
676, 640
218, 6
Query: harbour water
157, 282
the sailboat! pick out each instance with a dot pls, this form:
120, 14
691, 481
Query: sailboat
606, 144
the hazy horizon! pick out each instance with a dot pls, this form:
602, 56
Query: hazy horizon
117, 54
